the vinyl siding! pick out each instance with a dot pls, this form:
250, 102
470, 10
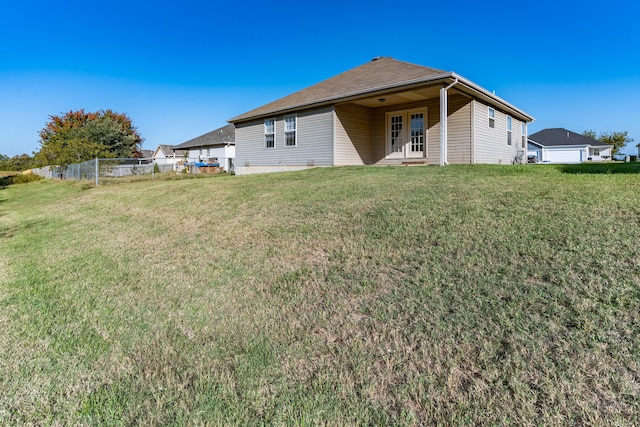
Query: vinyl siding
314, 142
352, 135
459, 130
491, 143
222, 152
159, 155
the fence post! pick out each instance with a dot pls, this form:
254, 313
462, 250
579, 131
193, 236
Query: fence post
97, 172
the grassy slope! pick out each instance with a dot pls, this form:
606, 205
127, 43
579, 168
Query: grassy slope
494, 295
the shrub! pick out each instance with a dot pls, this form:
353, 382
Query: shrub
24, 178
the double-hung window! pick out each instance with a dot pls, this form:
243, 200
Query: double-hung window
524, 135
508, 130
492, 118
290, 128
270, 133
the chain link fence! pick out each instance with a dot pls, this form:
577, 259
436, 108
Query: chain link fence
98, 170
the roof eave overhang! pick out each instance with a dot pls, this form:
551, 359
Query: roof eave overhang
531, 141
468, 87
380, 90
489, 97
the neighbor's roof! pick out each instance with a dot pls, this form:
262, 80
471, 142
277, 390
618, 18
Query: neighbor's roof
381, 75
224, 135
169, 150
555, 137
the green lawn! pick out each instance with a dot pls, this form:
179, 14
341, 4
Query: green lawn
464, 295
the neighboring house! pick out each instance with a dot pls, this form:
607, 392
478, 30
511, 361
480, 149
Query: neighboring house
638, 146
218, 146
167, 156
385, 112
558, 145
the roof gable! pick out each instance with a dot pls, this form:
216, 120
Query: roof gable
555, 137
168, 151
224, 135
377, 74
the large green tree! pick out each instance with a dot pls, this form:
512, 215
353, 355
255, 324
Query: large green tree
617, 140
78, 136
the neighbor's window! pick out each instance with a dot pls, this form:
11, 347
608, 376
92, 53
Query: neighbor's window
290, 131
492, 118
270, 133
508, 130
524, 135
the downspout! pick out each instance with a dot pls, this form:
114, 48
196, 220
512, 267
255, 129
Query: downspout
444, 110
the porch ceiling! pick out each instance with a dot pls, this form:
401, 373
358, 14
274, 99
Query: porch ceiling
397, 98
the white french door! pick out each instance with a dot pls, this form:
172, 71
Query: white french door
406, 134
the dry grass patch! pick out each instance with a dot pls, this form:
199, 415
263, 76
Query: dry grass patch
349, 296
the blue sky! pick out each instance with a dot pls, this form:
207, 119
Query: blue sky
182, 69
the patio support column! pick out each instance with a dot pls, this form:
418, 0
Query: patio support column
444, 112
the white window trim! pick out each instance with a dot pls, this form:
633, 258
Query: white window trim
524, 135
509, 131
273, 120
489, 111
295, 130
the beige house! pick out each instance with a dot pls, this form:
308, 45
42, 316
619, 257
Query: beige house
385, 112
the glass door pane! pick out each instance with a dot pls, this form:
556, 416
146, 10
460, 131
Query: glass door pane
416, 143
417, 132
395, 136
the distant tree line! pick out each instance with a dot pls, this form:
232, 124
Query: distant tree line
16, 163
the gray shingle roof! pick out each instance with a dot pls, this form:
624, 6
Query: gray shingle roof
146, 153
559, 137
224, 135
375, 75
169, 150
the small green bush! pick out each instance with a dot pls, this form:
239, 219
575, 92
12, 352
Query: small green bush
24, 178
